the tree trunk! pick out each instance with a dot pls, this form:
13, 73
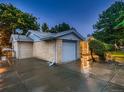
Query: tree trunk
93, 59
0, 51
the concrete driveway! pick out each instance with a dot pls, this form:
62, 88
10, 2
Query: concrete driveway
35, 75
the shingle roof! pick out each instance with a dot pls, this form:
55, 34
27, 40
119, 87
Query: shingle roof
21, 38
47, 36
70, 31
43, 35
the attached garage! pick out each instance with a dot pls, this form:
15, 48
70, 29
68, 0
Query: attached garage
70, 47
69, 51
22, 46
62, 47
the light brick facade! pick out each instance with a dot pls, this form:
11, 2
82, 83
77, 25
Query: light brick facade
44, 50
48, 50
59, 51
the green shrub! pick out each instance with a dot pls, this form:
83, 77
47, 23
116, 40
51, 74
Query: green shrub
109, 47
97, 47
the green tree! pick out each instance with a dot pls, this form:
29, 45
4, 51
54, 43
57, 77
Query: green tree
104, 27
45, 27
12, 18
52, 30
63, 27
120, 28
60, 28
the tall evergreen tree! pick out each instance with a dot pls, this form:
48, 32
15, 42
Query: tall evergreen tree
60, 28
45, 27
104, 27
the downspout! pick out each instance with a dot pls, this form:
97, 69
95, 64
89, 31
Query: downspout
55, 52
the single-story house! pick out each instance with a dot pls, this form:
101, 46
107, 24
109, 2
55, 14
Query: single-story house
61, 47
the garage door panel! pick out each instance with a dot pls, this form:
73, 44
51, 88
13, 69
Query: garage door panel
68, 51
25, 50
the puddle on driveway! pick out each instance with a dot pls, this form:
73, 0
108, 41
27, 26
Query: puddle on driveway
8, 77
3, 73
36, 75
3, 70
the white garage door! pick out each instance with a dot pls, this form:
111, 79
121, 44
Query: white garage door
25, 50
68, 51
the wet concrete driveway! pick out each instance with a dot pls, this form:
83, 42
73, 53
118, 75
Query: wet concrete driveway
35, 75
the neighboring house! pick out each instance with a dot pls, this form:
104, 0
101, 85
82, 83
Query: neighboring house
59, 47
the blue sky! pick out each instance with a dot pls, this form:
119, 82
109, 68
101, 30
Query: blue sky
81, 14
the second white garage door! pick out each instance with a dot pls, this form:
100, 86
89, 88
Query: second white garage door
68, 51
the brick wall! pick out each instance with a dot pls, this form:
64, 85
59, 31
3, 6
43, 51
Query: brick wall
44, 50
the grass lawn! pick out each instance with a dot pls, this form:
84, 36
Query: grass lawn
118, 55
